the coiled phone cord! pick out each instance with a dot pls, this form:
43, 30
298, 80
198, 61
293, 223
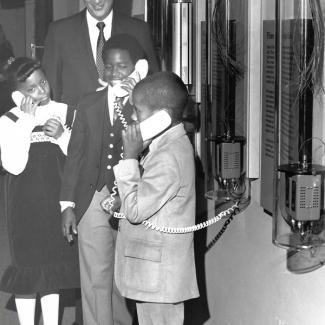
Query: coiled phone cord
183, 230
107, 204
118, 110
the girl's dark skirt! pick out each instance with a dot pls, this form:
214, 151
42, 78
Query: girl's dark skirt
41, 259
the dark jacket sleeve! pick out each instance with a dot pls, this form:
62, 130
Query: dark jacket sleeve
149, 49
52, 64
72, 168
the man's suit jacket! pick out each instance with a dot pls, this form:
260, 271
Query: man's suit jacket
82, 167
150, 265
68, 59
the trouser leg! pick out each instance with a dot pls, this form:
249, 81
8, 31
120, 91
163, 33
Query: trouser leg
96, 257
160, 314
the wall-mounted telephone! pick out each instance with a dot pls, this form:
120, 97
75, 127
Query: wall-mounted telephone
303, 197
300, 203
140, 71
17, 97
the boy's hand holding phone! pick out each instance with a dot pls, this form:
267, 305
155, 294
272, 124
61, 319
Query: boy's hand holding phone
53, 128
132, 142
125, 87
111, 204
129, 83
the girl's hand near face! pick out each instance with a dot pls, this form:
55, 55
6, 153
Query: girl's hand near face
28, 105
53, 128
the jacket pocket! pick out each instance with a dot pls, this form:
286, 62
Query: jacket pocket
143, 265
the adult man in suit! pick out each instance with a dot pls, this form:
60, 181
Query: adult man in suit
88, 178
70, 48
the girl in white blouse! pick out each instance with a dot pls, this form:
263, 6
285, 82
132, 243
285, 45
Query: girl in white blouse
33, 140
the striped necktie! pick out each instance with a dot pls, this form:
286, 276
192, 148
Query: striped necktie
100, 44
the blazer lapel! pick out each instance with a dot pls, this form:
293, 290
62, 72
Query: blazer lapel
85, 46
117, 24
96, 118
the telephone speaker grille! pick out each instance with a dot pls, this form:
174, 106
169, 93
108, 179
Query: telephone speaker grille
229, 160
303, 197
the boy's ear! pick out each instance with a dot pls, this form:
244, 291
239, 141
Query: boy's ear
131, 99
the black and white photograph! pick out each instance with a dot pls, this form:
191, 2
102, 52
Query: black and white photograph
162, 162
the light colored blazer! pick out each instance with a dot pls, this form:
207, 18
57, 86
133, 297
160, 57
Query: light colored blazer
150, 265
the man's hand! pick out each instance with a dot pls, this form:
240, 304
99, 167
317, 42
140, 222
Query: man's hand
132, 142
68, 224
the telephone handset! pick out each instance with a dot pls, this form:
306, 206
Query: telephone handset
155, 124
151, 126
140, 71
17, 97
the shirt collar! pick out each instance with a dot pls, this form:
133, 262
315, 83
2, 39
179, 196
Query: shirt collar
167, 136
92, 22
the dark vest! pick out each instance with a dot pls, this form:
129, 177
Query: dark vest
110, 153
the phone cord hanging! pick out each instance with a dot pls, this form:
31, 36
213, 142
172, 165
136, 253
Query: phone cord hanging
183, 230
118, 110
107, 204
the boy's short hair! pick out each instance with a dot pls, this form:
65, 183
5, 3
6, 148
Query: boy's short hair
163, 90
124, 42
